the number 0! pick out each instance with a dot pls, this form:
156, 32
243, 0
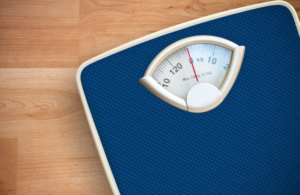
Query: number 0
214, 61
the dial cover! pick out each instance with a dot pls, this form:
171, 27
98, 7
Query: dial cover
178, 75
195, 74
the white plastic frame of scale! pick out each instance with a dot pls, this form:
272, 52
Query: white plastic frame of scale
201, 97
90, 120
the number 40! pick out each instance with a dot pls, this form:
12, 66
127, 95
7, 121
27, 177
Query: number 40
166, 81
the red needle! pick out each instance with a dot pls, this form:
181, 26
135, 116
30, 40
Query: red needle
192, 64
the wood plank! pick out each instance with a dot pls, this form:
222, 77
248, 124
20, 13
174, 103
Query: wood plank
39, 33
106, 24
46, 33
41, 108
8, 166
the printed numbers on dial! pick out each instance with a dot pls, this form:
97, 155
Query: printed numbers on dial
165, 81
176, 68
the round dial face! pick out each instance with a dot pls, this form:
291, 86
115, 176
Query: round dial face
187, 66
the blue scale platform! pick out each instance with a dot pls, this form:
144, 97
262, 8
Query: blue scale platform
250, 144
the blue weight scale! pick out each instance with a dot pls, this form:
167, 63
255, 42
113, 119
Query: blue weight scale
249, 144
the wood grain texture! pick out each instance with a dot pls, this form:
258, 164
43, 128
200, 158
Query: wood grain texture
39, 33
106, 24
56, 153
8, 165
63, 34
45, 143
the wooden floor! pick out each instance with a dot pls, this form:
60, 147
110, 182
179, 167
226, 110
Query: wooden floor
45, 143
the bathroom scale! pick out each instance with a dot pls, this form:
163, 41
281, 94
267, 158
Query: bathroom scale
210, 106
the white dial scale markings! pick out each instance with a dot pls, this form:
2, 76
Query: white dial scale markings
176, 73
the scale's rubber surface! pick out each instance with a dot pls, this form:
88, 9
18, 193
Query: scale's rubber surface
250, 144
